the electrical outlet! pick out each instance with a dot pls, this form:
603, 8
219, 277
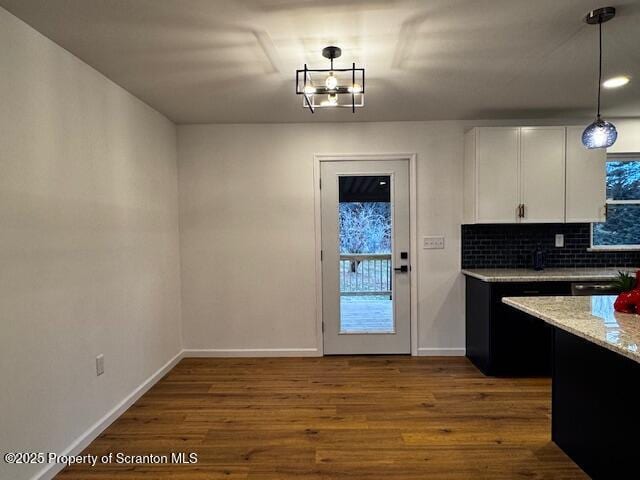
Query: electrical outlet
430, 243
99, 364
559, 240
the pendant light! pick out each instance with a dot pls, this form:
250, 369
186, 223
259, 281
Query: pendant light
600, 134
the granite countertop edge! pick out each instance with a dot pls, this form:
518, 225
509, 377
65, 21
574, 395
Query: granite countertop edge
550, 275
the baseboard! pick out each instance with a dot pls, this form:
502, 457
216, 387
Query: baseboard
441, 352
97, 428
252, 352
299, 352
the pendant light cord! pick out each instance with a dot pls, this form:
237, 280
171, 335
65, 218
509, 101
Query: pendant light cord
599, 65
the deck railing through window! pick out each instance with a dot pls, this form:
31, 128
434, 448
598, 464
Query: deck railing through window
365, 274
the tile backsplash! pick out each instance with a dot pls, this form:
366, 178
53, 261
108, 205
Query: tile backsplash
512, 246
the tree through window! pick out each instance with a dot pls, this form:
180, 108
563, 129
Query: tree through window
622, 227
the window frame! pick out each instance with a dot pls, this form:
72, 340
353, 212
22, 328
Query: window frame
616, 157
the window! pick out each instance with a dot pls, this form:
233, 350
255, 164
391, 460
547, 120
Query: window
622, 227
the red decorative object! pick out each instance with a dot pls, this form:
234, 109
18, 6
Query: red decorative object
629, 302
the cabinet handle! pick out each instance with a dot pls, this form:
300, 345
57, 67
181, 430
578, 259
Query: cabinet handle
606, 211
523, 211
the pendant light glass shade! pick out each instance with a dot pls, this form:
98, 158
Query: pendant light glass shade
600, 134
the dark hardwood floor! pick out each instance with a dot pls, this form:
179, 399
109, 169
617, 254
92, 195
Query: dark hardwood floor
382, 417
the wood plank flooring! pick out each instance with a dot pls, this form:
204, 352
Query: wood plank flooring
369, 417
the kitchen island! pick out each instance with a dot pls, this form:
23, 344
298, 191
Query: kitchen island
595, 381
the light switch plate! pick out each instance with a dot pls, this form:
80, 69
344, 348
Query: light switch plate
430, 243
559, 240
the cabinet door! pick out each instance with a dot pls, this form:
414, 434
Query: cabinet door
542, 169
586, 172
497, 152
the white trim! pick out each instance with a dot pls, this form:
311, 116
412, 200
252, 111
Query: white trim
413, 249
251, 352
413, 233
610, 201
317, 230
81, 442
441, 352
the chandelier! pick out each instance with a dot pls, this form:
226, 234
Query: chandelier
331, 87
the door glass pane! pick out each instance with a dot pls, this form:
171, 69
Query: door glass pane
365, 227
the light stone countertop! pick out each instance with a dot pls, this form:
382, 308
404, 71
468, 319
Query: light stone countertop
592, 318
547, 275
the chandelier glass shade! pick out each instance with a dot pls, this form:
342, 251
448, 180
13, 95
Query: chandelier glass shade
331, 87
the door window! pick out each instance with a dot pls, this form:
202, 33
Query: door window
365, 231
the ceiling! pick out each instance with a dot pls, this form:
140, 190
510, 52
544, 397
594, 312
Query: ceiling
234, 61
364, 188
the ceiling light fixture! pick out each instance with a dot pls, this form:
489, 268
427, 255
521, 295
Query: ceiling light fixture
616, 82
339, 87
600, 134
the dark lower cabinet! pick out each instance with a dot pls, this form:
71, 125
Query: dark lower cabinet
595, 407
502, 341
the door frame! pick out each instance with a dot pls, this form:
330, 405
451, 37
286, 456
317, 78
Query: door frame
413, 235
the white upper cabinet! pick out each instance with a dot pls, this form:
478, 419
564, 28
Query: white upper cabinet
491, 175
586, 175
532, 175
542, 169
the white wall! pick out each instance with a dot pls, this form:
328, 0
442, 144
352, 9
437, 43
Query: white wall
88, 244
247, 230
247, 238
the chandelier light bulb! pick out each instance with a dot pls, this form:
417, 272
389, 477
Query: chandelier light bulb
332, 98
331, 82
309, 89
355, 88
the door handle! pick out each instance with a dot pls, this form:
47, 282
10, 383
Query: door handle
402, 269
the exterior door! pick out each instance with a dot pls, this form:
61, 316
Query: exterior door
365, 257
